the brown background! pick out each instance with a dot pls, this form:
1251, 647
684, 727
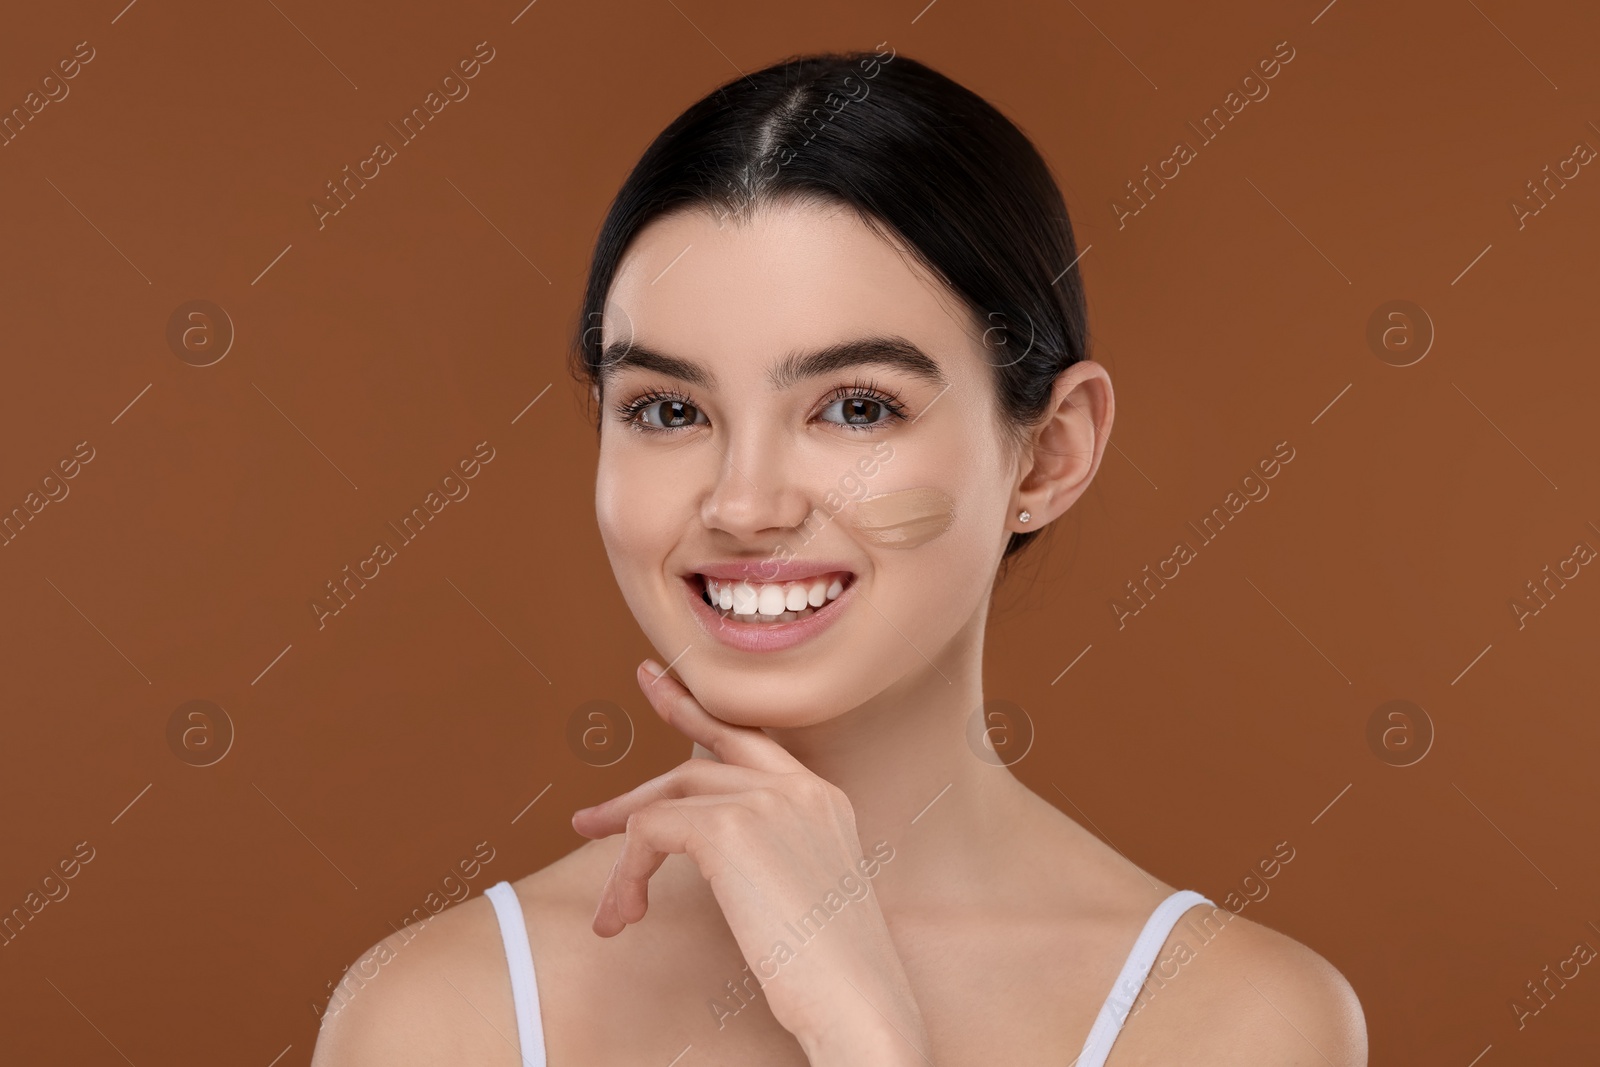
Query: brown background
372, 354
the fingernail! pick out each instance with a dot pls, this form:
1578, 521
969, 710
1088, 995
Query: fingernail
654, 668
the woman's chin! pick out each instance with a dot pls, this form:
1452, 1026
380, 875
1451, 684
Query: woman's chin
781, 714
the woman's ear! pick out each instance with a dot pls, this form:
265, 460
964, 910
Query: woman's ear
1064, 450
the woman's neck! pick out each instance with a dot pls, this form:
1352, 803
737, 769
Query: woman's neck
906, 759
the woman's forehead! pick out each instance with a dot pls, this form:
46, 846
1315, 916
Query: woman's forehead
792, 276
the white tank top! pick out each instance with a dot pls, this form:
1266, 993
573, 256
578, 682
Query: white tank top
1107, 1024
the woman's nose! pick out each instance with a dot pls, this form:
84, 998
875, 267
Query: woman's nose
757, 490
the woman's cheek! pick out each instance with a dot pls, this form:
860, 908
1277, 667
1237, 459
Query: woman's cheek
927, 544
631, 513
903, 518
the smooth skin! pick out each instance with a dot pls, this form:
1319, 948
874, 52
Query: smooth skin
996, 930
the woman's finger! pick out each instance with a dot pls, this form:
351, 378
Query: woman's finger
743, 745
655, 832
689, 778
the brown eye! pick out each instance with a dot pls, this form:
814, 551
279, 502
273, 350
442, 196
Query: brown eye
669, 414
859, 411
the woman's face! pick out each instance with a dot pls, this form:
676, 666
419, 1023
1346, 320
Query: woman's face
809, 478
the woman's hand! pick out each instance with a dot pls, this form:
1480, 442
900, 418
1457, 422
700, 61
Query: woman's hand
778, 846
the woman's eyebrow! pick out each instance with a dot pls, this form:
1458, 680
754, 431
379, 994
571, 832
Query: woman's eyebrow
896, 352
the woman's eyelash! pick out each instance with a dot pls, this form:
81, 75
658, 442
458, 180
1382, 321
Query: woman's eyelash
628, 411
868, 390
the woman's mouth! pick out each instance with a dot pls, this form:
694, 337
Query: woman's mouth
771, 602
754, 616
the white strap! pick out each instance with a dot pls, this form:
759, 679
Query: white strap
1108, 1024
519, 959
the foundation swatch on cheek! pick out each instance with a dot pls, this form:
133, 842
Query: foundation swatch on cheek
904, 518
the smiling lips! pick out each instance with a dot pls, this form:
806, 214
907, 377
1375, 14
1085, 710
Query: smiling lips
764, 621
772, 602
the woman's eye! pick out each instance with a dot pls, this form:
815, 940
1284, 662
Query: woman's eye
859, 411
673, 414
663, 413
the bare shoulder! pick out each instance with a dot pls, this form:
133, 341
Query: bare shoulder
1291, 1003
430, 993
1226, 990
1223, 989
440, 992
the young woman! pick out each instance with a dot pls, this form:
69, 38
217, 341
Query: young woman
838, 345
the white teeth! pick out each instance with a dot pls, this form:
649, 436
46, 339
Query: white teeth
767, 602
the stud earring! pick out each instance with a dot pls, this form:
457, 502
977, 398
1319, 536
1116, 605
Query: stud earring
1023, 517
